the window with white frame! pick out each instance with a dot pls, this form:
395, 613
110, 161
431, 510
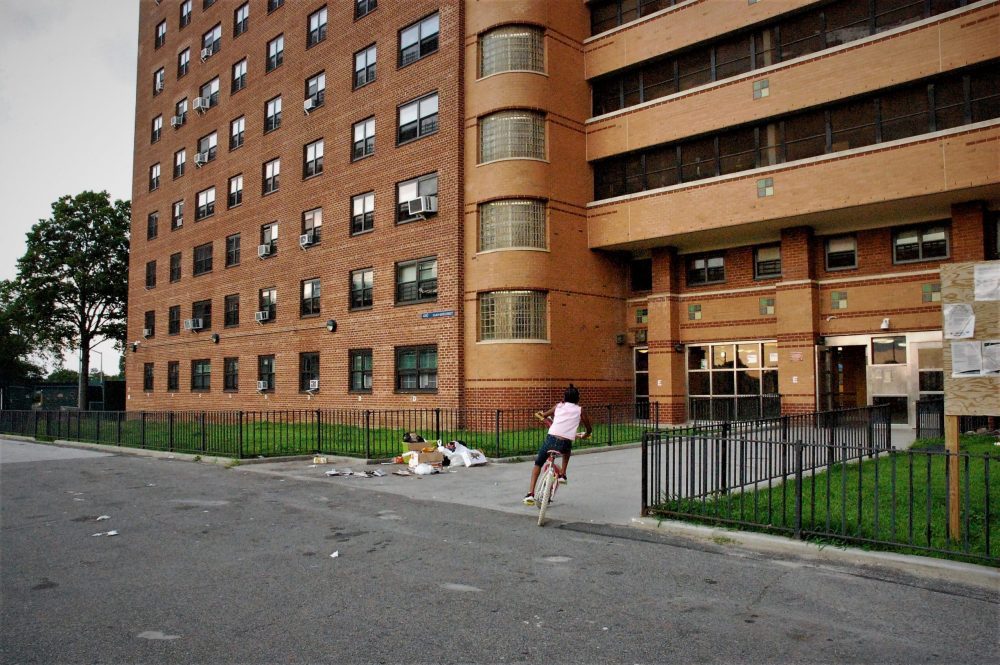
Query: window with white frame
416, 281
241, 19
157, 129
312, 224
419, 40
312, 159
364, 138
211, 41
154, 177
272, 114
177, 215
206, 204
235, 191
316, 89
512, 48
181, 110
210, 91
362, 213
511, 223
316, 31
512, 315
185, 10
706, 269
236, 131
269, 237
180, 160
208, 146
183, 62
518, 134
161, 34
310, 295
272, 171
364, 66
159, 80
275, 52
921, 243
418, 118
409, 190
239, 75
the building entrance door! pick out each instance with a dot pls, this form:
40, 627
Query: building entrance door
641, 382
842, 377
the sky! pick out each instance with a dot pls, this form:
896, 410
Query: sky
67, 114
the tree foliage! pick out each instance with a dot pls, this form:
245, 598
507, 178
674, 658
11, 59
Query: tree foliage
72, 282
15, 365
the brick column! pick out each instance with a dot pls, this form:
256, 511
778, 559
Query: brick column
797, 310
967, 240
666, 366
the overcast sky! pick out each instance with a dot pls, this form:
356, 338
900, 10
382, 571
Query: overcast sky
67, 87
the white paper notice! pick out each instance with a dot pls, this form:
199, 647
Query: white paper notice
986, 277
966, 359
772, 357
751, 358
959, 321
991, 358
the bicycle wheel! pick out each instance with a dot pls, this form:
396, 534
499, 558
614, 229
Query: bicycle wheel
547, 482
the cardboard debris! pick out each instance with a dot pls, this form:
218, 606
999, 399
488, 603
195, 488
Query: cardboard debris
319, 460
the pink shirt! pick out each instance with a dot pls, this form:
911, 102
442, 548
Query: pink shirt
565, 420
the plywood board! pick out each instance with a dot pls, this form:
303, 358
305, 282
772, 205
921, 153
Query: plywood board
970, 396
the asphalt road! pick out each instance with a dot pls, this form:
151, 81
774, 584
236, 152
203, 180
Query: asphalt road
214, 565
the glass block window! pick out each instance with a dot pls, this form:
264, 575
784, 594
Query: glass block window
642, 315
505, 315
694, 312
511, 48
931, 292
838, 300
767, 306
511, 223
512, 134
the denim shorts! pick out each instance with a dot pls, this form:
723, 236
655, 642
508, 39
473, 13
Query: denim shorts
564, 446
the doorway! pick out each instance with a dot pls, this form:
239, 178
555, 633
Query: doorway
641, 355
842, 377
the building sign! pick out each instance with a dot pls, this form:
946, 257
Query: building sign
437, 315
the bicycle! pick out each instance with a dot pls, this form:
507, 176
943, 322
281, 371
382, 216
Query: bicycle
550, 482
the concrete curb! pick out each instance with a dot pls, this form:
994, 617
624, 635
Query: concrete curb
969, 574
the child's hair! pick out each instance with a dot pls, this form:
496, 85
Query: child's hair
571, 395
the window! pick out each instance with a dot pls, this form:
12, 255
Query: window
511, 48
316, 90
362, 283
706, 270
152, 225
729, 381
505, 315
239, 76
233, 250
309, 305
416, 368
364, 7
181, 112
235, 191
210, 91
201, 374
642, 315
920, 243
767, 262
364, 66
183, 62
231, 311
230, 373
147, 376
159, 80
411, 189
275, 53
308, 366
149, 324
154, 177
161, 34
177, 215
241, 19
274, 4
360, 363
841, 253
512, 134
889, 350
185, 13
180, 161
641, 274
312, 159
267, 301
205, 4
154, 134
208, 147
511, 223
265, 371
202, 309
174, 320
175, 267
272, 171
269, 237
766, 306
202, 259
272, 114
416, 281
173, 376
364, 138
211, 41
418, 40
316, 31
418, 118
151, 274
236, 131
312, 225
362, 212
206, 204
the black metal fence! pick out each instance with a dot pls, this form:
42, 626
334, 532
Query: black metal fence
728, 409
930, 420
849, 487
372, 434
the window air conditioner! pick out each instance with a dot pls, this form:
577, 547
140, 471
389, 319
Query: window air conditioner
261, 316
206, 53
176, 121
159, 86
200, 158
422, 205
263, 251
192, 324
309, 105
202, 104
147, 332
306, 239
313, 384
261, 386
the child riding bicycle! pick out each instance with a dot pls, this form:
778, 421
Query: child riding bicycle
564, 418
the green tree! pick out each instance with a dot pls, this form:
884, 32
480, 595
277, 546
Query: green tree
63, 375
72, 282
15, 366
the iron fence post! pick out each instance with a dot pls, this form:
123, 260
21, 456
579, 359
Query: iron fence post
644, 510
170, 430
118, 428
656, 409
48, 423
784, 428
203, 434
724, 457
437, 424
609, 424
798, 489
319, 431
97, 418
497, 430
142, 431
239, 438
368, 433
34, 432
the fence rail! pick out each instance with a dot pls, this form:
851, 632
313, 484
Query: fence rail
372, 434
930, 419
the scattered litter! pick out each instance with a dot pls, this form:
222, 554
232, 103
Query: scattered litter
456, 451
402, 472
319, 460
311, 466
150, 484
112, 533
103, 517
335, 554
76, 498
105, 533
339, 472
389, 463
424, 469
378, 473
360, 474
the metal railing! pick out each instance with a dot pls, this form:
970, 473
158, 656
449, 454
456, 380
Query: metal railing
702, 410
370, 434
930, 419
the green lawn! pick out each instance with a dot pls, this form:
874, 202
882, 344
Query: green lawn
895, 511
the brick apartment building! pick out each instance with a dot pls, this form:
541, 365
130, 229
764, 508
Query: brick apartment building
700, 203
